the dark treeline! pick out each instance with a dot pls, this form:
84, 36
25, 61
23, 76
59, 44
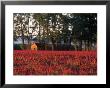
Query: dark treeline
56, 31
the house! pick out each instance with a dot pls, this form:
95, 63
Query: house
34, 46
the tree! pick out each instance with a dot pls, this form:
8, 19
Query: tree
84, 29
20, 25
69, 31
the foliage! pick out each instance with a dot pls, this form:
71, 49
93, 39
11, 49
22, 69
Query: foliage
77, 29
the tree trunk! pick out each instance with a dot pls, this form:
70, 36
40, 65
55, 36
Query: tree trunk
39, 32
53, 44
22, 36
52, 47
85, 44
88, 44
80, 46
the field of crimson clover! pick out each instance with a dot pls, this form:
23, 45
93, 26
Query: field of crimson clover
28, 62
